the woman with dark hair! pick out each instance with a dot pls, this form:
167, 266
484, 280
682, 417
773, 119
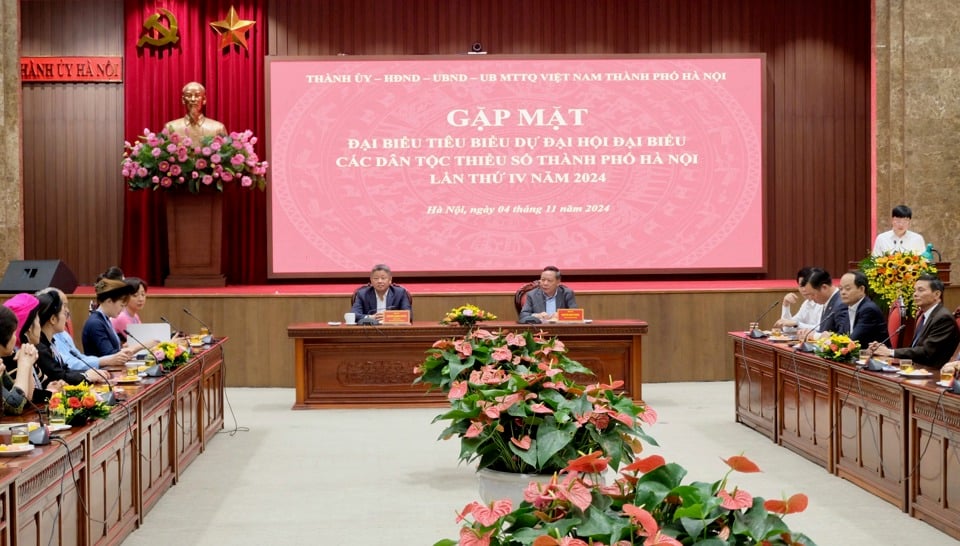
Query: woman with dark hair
13, 389
53, 320
130, 312
99, 338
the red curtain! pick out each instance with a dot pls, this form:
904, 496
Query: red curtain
234, 78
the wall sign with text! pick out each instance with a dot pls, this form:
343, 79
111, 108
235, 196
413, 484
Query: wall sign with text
71, 69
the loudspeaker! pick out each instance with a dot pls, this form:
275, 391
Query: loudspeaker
33, 275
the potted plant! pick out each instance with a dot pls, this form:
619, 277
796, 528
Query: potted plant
648, 504
193, 175
516, 406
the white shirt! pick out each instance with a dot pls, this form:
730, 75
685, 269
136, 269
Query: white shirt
807, 317
852, 312
889, 242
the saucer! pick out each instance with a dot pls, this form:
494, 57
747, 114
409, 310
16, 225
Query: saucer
916, 373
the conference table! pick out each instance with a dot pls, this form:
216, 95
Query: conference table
95, 484
373, 366
894, 436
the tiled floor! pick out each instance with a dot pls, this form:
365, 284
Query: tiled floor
380, 477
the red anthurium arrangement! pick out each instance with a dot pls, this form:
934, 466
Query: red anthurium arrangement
648, 504
516, 407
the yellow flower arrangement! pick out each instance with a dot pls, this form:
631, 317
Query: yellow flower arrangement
837, 347
80, 404
892, 276
170, 355
467, 315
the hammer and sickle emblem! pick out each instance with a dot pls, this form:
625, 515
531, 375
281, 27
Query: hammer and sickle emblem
165, 35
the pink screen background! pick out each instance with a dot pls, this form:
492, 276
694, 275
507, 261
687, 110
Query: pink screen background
509, 164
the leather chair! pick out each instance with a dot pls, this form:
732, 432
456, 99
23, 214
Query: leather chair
521, 294
894, 319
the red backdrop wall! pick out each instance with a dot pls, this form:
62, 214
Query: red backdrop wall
233, 77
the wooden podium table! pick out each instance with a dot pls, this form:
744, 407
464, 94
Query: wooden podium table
894, 437
372, 366
94, 484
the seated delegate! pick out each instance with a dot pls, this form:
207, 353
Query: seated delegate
71, 355
99, 338
53, 320
937, 335
380, 295
808, 316
13, 389
541, 303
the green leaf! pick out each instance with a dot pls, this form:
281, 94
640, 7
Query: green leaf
693, 526
551, 439
599, 525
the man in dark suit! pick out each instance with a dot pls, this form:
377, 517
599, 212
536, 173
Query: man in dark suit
937, 335
865, 322
542, 302
380, 295
834, 315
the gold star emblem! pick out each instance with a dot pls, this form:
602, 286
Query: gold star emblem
232, 29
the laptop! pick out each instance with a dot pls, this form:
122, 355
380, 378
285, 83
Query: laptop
148, 333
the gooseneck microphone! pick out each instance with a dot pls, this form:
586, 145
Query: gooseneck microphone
875, 365
194, 317
806, 346
757, 333
174, 329
108, 398
41, 436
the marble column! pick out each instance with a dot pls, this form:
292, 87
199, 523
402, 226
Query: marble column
11, 180
918, 117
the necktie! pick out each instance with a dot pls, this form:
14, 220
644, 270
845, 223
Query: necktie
916, 336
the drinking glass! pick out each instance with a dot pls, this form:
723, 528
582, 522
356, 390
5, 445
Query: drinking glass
19, 434
58, 416
906, 365
946, 377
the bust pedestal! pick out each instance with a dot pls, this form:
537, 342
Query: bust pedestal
194, 236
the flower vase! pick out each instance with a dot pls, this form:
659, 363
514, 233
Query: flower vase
496, 485
194, 237
77, 420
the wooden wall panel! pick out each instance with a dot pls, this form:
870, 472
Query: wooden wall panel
72, 140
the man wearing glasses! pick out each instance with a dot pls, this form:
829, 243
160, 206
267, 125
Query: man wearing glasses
542, 302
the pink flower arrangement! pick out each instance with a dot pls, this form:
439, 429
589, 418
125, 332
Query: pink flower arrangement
171, 161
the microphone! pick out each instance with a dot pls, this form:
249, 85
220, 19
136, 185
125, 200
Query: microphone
108, 398
204, 324
173, 328
153, 371
41, 436
757, 333
806, 346
875, 365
